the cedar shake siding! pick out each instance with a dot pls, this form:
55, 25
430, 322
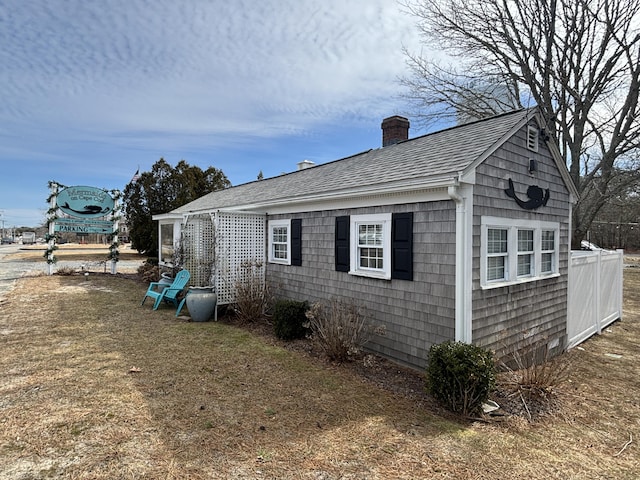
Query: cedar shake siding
415, 313
533, 312
424, 284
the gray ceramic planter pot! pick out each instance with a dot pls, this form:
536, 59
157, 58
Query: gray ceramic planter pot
201, 302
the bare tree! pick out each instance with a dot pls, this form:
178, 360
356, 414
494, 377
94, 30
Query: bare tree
577, 60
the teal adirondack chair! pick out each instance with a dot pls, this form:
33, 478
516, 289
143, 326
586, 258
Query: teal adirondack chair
169, 293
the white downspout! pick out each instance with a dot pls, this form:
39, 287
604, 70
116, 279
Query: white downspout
463, 331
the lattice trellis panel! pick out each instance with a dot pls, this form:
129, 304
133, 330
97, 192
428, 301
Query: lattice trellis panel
199, 248
240, 240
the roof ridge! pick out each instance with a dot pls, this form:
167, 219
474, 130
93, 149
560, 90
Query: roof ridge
467, 124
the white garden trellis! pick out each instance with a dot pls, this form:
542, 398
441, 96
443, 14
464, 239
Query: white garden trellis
228, 241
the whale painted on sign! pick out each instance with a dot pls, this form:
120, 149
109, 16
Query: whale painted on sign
85, 202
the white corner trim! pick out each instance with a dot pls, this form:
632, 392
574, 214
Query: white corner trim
462, 195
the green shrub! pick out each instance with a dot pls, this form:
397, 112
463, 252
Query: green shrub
460, 376
289, 319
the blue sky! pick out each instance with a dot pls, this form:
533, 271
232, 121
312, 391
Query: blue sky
93, 89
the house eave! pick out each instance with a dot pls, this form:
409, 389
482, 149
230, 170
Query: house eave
167, 216
433, 188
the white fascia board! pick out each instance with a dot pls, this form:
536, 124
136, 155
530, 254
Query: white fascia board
167, 216
406, 191
414, 192
241, 210
560, 163
362, 201
470, 169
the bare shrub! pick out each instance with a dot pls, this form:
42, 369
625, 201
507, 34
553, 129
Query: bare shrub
339, 327
530, 374
149, 272
253, 297
66, 271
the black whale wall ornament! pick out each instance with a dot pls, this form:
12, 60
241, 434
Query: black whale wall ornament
537, 196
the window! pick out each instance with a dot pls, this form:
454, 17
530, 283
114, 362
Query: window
379, 246
532, 138
525, 253
167, 247
496, 254
515, 251
280, 241
548, 251
371, 248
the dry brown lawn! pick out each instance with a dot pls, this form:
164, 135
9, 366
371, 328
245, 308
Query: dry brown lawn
94, 386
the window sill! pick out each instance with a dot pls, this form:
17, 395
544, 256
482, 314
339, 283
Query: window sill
363, 273
280, 262
490, 286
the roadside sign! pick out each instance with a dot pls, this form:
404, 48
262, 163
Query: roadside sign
85, 202
80, 226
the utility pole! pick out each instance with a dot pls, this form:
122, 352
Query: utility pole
2, 220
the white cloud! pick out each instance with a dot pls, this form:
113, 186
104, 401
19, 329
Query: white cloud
173, 66
100, 82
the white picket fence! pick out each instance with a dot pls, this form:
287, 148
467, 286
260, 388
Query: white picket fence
595, 293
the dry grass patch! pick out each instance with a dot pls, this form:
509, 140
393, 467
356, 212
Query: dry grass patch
94, 386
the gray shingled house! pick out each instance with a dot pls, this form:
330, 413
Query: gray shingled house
462, 234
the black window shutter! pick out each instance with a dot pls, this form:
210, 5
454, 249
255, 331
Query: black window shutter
342, 244
296, 241
402, 246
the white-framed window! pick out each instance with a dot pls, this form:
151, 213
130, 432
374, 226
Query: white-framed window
167, 243
516, 251
280, 241
371, 245
525, 253
548, 253
497, 254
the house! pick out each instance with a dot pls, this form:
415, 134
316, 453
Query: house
462, 234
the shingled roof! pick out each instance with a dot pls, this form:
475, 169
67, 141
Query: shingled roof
433, 159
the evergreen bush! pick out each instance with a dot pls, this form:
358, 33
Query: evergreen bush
460, 376
289, 319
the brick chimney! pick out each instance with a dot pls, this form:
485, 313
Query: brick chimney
394, 129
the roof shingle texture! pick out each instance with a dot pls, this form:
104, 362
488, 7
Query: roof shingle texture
438, 154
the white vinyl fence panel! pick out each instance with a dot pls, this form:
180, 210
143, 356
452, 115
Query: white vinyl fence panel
595, 293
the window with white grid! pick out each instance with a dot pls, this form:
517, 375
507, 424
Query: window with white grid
497, 254
280, 241
515, 251
371, 245
548, 251
525, 253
